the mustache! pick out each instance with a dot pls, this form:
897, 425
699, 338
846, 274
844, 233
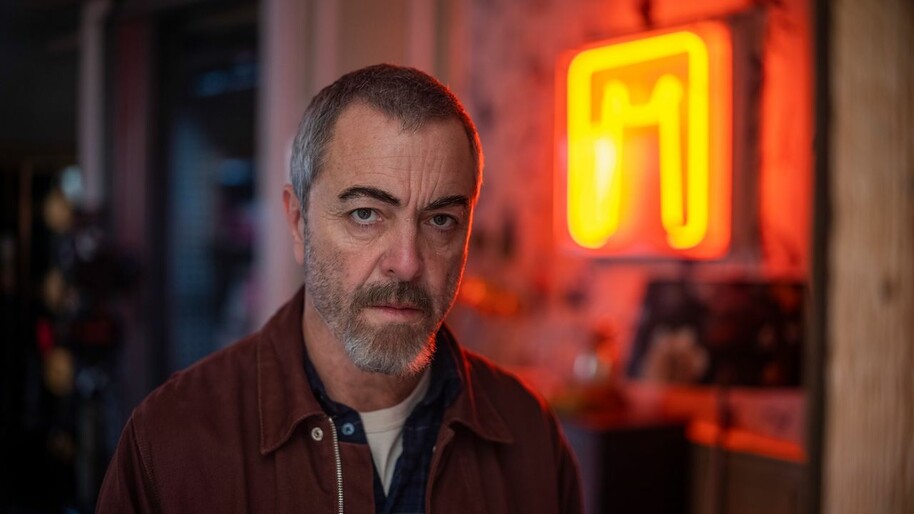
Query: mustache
400, 293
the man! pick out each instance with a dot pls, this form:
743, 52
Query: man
354, 397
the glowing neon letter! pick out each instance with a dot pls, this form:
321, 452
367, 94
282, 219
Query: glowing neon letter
596, 170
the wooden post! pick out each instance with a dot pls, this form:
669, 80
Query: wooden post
869, 414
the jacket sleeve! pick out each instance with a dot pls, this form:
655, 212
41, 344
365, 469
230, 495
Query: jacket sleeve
570, 493
128, 486
572, 502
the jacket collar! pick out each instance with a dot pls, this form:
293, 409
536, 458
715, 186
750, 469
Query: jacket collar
283, 395
473, 407
285, 398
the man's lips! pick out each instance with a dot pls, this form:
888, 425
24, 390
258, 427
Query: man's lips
396, 311
397, 307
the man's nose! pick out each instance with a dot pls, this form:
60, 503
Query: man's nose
402, 259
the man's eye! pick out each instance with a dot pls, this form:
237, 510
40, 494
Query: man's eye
443, 221
364, 215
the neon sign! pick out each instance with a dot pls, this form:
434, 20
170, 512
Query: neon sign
646, 168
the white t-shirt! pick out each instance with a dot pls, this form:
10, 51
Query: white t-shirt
384, 431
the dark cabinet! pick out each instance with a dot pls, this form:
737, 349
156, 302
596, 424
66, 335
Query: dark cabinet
631, 464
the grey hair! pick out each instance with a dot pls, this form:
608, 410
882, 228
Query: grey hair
406, 94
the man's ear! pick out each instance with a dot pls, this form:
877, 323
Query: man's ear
295, 222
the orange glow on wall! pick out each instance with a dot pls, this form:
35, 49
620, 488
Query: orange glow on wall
646, 146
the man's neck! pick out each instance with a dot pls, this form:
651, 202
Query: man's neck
344, 382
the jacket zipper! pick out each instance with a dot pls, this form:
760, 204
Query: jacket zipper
339, 464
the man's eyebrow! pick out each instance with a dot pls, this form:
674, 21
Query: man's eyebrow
371, 192
448, 201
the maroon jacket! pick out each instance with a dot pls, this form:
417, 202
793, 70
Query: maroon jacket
241, 431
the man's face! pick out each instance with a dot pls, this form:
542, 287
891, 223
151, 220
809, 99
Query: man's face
386, 233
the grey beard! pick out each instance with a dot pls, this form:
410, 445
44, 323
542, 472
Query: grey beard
399, 349
393, 350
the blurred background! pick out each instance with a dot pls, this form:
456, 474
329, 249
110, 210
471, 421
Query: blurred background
745, 350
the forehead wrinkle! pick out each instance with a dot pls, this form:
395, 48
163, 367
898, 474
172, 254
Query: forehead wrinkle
422, 163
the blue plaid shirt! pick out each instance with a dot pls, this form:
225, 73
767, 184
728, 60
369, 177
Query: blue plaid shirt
407, 489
